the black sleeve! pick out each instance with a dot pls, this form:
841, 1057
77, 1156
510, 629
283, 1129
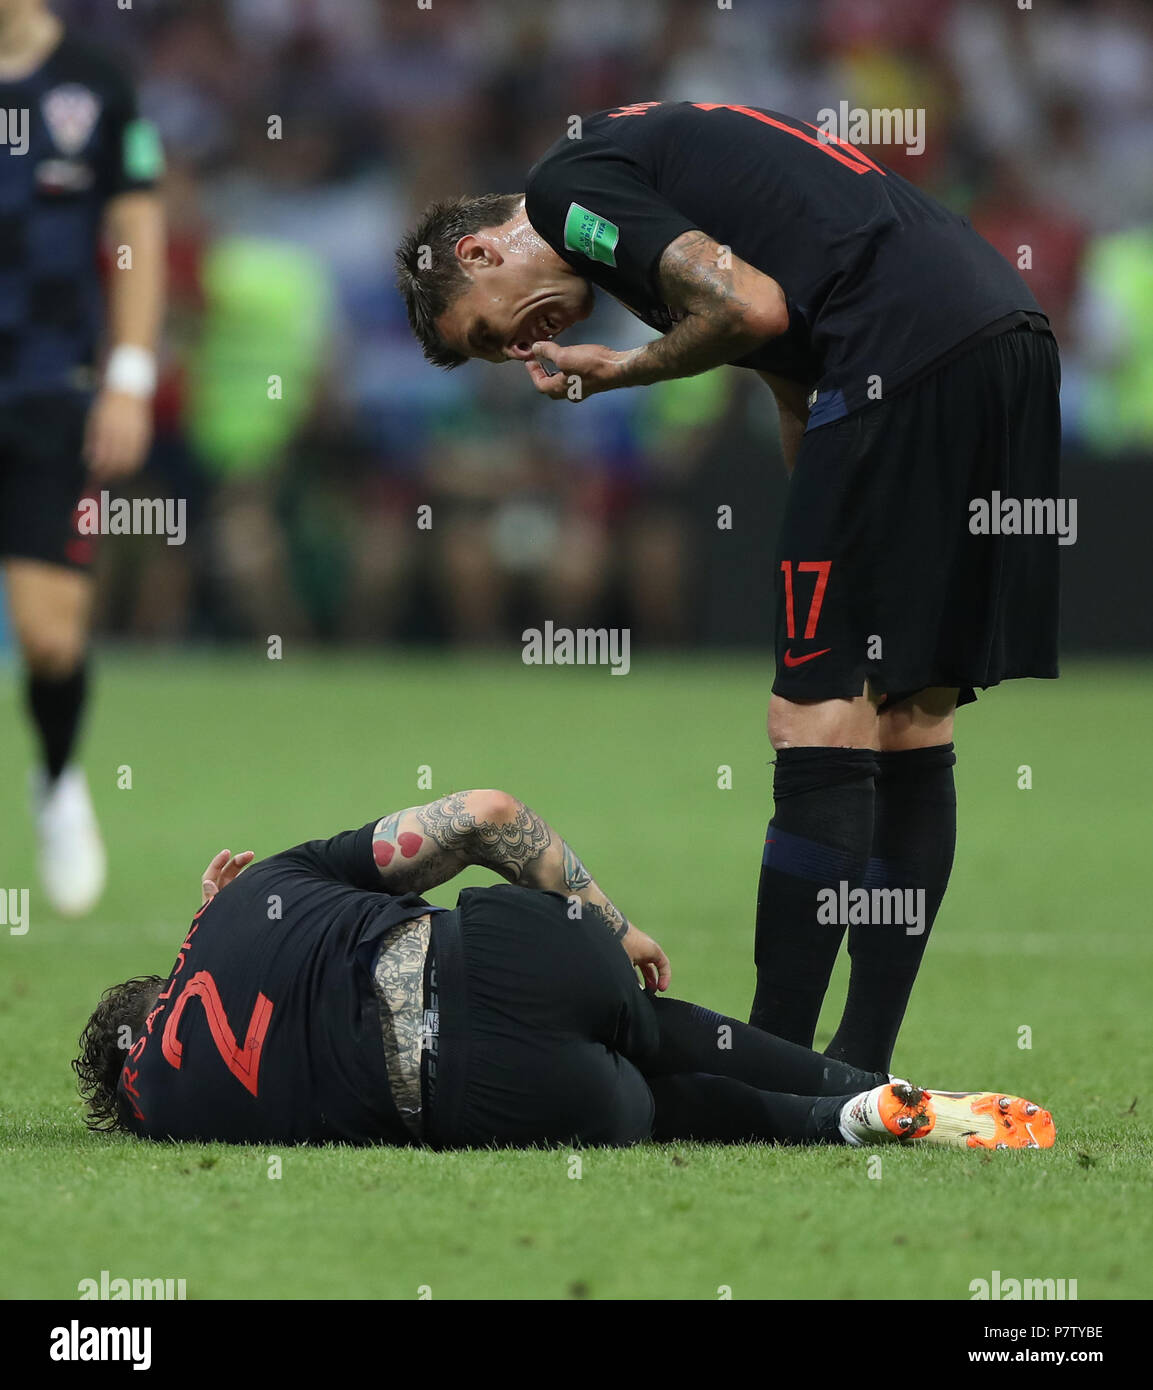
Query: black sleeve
131, 159
592, 202
790, 354
345, 858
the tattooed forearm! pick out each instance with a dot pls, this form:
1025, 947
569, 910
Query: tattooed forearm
576, 876
606, 913
579, 881
724, 316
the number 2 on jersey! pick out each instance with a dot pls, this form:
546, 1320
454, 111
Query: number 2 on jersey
242, 1062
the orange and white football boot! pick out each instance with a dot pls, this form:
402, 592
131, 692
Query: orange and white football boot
961, 1119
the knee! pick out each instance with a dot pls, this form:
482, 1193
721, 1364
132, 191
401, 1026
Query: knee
51, 652
780, 724
924, 721
822, 723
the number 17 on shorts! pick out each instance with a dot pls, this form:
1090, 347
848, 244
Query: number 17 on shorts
804, 597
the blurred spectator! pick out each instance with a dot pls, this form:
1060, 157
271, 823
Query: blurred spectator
1041, 239
1117, 324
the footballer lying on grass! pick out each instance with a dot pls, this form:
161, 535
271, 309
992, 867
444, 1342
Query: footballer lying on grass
317, 997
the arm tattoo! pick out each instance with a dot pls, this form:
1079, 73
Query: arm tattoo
611, 918
508, 848
576, 876
384, 840
709, 333
406, 861
691, 276
453, 836
450, 828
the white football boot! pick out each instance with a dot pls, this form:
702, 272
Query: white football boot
73, 865
959, 1119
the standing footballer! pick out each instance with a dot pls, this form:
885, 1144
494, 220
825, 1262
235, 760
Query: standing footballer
914, 374
82, 168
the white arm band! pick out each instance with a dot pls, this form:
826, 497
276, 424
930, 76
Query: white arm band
131, 370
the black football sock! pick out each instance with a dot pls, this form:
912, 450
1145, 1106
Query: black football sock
914, 836
56, 707
695, 1039
717, 1109
819, 838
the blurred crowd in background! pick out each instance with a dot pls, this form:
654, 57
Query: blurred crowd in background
1038, 125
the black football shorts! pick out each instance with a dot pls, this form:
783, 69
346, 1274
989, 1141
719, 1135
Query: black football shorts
880, 576
541, 1024
42, 479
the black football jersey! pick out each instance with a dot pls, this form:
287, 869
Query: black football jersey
880, 279
268, 1030
74, 140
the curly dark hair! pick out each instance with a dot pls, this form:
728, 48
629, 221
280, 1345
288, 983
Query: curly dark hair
105, 1042
427, 272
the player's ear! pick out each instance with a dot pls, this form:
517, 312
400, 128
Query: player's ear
476, 251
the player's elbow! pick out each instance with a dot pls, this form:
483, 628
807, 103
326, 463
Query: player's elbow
766, 316
493, 807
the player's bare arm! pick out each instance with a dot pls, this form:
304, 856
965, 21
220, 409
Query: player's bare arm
793, 411
729, 309
120, 421
424, 846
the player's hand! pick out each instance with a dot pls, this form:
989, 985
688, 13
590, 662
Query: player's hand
117, 435
583, 370
649, 959
221, 870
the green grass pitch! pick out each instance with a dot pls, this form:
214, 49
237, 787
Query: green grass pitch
1046, 927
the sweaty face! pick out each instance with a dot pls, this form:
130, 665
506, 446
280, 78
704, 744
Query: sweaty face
512, 304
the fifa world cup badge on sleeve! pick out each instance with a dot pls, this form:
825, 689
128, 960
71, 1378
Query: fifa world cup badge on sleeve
590, 235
